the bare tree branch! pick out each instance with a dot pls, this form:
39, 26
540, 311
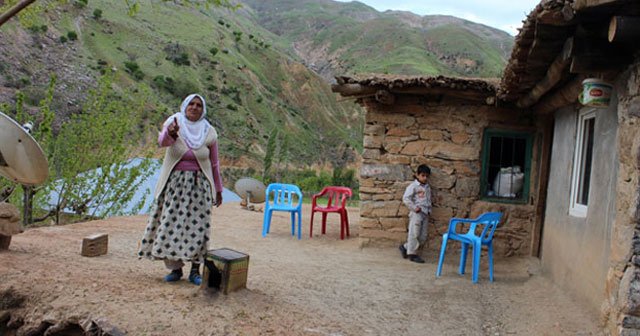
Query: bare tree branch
14, 10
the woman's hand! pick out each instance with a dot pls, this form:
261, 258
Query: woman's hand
173, 129
218, 198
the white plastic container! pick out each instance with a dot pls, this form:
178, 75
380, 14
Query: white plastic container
595, 93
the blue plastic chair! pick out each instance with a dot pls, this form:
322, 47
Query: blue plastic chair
280, 197
490, 221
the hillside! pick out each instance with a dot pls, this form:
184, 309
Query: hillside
263, 68
347, 38
253, 86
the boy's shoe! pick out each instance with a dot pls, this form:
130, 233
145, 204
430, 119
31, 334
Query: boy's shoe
195, 278
403, 250
416, 259
174, 276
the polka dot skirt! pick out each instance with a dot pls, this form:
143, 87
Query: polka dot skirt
179, 224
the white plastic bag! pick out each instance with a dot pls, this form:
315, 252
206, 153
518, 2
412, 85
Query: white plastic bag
508, 182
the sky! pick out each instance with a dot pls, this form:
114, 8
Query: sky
506, 15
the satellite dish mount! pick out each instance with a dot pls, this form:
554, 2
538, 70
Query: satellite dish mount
251, 190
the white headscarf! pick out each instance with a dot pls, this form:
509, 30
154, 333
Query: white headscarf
194, 133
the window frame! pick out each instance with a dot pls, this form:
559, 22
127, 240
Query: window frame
487, 135
577, 209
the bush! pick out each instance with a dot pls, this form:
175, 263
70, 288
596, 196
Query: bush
133, 68
178, 88
38, 29
63, 39
177, 54
213, 51
81, 3
97, 13
72, 36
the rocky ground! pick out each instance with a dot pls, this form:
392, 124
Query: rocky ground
313, 286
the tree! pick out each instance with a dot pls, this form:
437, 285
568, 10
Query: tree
88, 156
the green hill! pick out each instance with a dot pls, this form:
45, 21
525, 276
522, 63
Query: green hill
263, 68
347, 38
253, 86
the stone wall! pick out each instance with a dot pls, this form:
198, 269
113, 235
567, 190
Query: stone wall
448, 138
621, 309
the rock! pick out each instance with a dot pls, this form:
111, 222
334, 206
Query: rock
9, 220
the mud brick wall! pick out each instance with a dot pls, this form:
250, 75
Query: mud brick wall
448, 138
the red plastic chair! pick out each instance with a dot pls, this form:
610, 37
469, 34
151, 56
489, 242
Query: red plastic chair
337, 201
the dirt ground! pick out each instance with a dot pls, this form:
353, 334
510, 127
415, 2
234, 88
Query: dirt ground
313, 286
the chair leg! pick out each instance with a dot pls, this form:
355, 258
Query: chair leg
311, 226
300, 224
342, 228
293, 223
490, 252
346, 221
477, 248
324, 222
463, 257
442, 250
265, 222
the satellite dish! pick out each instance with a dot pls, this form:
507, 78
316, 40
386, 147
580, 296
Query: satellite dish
21, 158
250, 189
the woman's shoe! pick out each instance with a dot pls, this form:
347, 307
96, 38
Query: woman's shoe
174, 276
416, 258
195, 279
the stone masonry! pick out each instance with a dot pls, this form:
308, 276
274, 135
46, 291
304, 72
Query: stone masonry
621, 309
448, 138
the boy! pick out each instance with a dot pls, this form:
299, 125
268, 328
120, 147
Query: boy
417, 197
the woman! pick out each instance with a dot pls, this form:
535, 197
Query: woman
178, 228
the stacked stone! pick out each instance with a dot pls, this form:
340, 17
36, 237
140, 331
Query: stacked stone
448, 138
621, 310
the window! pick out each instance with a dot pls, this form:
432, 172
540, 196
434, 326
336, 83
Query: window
581, 179
506, 166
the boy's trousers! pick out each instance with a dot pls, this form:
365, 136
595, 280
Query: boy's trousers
418, 224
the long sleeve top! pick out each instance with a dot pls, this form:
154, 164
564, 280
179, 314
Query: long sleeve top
188, 161
418, 195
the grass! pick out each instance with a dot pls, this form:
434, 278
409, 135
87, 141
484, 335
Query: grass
260, 75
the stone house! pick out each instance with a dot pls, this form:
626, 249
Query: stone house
576, 205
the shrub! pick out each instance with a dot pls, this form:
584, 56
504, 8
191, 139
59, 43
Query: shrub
177, 54
133, 68
97, 13
63, 39
38, 29
72, 36
213, 51
237, 35
81, 3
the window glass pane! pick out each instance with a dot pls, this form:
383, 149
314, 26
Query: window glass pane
585, 164
504, 171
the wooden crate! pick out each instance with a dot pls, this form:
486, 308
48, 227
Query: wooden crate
95, 245
226, 270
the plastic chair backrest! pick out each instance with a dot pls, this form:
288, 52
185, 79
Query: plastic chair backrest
490, 221
281, 194
336, 194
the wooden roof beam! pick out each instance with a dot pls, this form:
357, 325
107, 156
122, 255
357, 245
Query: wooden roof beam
624, 29
566, 95
553, 76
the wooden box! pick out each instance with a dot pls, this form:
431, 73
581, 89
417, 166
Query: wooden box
226, 270
95, 245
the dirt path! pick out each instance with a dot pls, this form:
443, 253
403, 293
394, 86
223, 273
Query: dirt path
318, 286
